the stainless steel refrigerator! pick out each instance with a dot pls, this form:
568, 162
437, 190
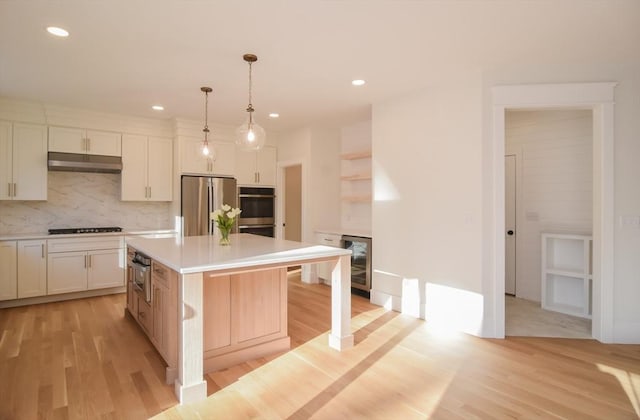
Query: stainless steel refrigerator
200, 196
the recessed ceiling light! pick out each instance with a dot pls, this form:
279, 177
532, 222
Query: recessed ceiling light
157, 108
358, 82
54, 30
274, 115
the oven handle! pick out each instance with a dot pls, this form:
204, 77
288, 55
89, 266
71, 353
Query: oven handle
139, 266
256, 196
254, 226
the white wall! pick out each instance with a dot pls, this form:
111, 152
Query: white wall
442, 208
318, 150
427, 220
554, 155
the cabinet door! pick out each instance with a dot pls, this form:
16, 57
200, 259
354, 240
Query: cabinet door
67, 272
29, 162
192, 160
134, 168
160, 169
104, 143
224, 162
246, 168
32, 268
145, 314
67, 140
106, 268
6, 161
157, 335
266, 165
8, 270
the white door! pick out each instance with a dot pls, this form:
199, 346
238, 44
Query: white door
266, 165
8, 270
29, 162
67, 272
510, 224
293, 203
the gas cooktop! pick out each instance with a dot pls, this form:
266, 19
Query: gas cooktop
68, 231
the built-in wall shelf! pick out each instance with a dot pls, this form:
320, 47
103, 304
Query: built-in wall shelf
567, 284
357, 198
356, 155
356, 177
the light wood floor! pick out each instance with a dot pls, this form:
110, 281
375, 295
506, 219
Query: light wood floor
526, 318
83, 359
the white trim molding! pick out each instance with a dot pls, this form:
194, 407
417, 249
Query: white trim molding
599, 97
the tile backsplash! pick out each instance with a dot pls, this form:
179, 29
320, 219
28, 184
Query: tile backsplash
78, 199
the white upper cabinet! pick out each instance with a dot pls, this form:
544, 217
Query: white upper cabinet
192, 161
23, 161
147, 164
80, 140
257, 168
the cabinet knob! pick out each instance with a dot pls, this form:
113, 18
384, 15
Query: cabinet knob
510, 232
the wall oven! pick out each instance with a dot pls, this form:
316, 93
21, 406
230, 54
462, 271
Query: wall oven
360, 263
258, 205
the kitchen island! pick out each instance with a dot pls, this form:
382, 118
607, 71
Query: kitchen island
209, 333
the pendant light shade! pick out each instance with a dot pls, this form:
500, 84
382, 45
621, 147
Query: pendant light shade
206, 149
250, 136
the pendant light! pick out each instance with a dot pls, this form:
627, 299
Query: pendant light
205, 143
250, 136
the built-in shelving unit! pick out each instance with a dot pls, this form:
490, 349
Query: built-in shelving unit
356, 167
356, 155
567, 283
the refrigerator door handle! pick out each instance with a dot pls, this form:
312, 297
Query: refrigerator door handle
210, 186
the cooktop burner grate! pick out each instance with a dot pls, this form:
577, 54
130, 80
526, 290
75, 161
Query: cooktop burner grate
68, 231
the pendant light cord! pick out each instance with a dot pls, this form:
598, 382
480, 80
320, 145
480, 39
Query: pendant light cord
206, 114
250, 107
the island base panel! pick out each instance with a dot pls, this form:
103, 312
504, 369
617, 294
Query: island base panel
223, 361
245, 316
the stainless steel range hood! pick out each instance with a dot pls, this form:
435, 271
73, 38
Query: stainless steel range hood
76, 162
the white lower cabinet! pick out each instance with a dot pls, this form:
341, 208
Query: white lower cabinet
8, 270
78, 264
32, 268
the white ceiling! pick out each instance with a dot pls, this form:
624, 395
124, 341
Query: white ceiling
125, 55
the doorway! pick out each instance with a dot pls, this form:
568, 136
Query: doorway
548, 193
510, 224
598, 97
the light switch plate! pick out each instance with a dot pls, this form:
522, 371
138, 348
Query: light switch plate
630, 221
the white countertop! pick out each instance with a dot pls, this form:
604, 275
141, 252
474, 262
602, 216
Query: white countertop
194, 254
45, 235
345, 231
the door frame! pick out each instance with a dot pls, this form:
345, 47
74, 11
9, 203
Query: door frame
599, 98
515, 221
281, 166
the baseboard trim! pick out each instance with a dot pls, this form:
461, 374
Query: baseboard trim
59, 298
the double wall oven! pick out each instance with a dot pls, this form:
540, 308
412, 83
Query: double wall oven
258, 206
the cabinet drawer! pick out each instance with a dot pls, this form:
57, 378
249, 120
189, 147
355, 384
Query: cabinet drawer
329, 239
85, 244
160, 274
